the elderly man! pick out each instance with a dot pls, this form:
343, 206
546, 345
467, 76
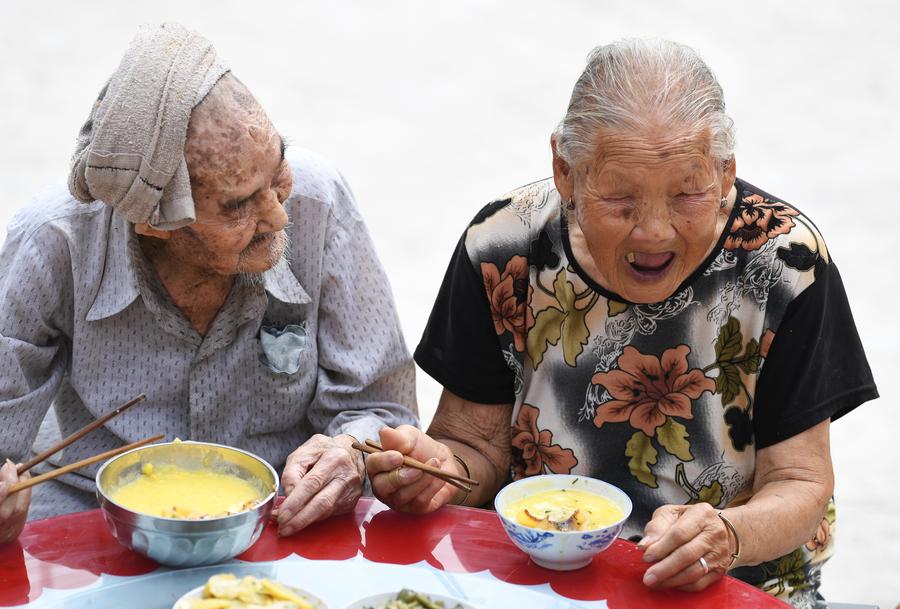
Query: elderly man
198, 263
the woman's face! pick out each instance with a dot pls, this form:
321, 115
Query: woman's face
648, 209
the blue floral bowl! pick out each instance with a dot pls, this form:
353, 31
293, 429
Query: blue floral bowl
561, 550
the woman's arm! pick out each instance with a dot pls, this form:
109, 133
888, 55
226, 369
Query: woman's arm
479, 434
791, 489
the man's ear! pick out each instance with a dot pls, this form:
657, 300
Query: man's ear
145, 229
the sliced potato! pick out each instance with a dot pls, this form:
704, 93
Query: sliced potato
279, 592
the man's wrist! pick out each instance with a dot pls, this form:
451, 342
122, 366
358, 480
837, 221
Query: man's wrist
346, 441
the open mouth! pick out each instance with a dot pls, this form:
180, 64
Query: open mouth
649, 266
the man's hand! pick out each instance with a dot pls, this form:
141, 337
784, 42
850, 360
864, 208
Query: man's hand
321, 478
13, 508
404, 488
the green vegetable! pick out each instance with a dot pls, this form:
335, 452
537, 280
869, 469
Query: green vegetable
410, 599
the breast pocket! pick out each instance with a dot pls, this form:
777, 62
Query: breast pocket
283, 349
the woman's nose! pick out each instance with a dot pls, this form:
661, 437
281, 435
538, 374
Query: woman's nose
654, 223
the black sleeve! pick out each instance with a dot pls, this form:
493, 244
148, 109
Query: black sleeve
816, 367
460, 348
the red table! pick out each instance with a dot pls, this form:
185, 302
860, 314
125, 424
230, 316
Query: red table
71, 551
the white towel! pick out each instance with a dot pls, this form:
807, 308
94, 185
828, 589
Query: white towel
130, 152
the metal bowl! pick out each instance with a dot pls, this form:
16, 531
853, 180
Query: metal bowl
180, 542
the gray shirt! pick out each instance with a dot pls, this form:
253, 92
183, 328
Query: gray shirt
316, 347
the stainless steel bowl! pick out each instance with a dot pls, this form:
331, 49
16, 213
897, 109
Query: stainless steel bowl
187, 543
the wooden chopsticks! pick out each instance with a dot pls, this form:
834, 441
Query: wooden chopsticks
78, 435
460, 482
19, 486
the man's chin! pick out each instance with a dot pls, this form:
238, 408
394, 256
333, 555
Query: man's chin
261, 258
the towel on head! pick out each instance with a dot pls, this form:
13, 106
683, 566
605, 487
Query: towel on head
130, 152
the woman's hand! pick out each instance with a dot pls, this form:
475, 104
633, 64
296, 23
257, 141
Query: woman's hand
404, 488
321, 478
676, 538
13, 508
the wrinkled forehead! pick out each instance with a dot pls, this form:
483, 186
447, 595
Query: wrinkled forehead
677, 153
226, 131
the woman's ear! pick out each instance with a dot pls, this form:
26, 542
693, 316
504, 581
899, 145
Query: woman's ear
563, 176
149, 231
728, 176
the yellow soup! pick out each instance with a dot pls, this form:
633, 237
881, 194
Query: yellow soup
564, 510
173, 492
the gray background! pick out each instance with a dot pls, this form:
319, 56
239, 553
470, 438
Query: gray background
432, 108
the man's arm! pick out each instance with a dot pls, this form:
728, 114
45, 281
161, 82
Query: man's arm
35, 289
366, 376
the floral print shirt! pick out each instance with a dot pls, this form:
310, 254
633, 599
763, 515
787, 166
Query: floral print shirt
669, 401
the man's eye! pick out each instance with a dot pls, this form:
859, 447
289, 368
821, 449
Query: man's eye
237, 205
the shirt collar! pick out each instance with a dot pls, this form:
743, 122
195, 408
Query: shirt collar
118, 281
281, 283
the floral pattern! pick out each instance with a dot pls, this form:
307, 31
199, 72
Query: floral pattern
647, 389
681, 374
534, 452
510, 297
759, 219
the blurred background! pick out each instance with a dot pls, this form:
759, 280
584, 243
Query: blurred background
431, 109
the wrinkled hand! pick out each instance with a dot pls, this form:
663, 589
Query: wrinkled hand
675, 539
13, 508
404, 488
321, 478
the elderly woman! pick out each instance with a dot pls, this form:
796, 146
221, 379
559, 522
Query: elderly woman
198, 263
647, 318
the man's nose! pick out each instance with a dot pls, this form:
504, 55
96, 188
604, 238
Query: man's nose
272, 216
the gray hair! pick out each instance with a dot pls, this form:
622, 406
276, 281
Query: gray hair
634, 82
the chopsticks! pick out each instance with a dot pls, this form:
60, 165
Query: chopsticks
460, 482
15, 488
78, 435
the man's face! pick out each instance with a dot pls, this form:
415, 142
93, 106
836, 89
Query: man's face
239, 182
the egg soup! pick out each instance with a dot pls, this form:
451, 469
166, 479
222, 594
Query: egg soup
174, 492
564, 510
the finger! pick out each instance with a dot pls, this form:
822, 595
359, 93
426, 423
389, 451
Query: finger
320, 506
23, 499
300, 461
388, 483
8, 472
332, 464
704, 582
377, 463
681, 567
691, 522
403, 439
433, 497
423, 488
663, 518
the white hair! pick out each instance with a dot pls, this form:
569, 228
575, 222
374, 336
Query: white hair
633, 83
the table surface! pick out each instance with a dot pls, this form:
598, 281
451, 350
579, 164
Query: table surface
71, 552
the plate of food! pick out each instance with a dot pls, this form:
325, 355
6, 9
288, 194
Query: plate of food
409, 599
227, 591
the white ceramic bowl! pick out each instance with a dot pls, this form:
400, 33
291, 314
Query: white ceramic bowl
561, 550
379, 600
197, 592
